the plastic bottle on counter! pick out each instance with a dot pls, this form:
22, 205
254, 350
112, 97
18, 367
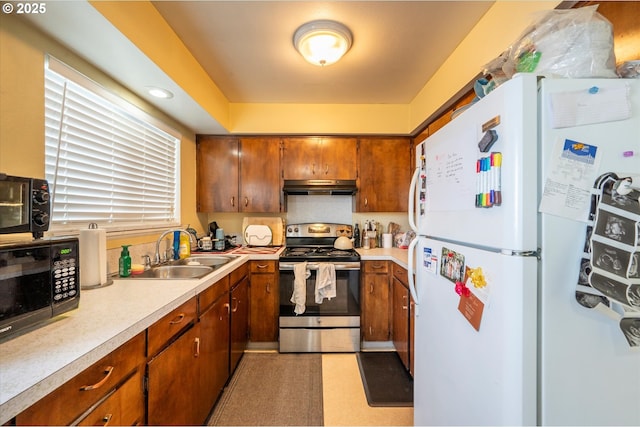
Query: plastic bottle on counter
185, 246
124, 263
176, 244
356, 236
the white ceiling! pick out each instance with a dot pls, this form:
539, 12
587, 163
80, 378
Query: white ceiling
246, 48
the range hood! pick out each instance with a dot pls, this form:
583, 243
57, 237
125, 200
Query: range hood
343, 187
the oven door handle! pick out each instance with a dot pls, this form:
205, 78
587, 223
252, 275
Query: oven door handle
340, 266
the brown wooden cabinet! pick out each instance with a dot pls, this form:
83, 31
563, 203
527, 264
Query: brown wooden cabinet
384, 174
214, 314
173, 377
375, 300
319, 158
401, 313
238, 174
239, 302
116, 380
263, 316
125, 407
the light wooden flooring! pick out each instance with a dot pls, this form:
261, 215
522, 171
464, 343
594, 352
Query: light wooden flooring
344, 399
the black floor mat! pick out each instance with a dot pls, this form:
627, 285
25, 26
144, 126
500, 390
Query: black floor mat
386, 381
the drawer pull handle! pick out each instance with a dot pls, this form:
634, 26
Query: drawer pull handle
262, 265
178, 319
108, 370
378, 265
106, 419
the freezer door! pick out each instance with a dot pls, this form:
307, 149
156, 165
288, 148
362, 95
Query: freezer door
453, 181
465, 376
588, 373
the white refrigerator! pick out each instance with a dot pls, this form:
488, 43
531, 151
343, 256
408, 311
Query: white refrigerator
501, 204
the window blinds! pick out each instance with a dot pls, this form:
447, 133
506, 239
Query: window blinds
106, 161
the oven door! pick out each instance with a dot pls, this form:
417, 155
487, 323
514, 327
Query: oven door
346, 302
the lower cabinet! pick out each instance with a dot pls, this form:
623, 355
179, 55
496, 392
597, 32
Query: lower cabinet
214, 344
124, 407
402, 316
400, 328
239, 302
375, 300
109, 391
173, 377
263, 315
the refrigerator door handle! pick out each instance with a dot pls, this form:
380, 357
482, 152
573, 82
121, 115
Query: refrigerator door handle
411, 271
412, 200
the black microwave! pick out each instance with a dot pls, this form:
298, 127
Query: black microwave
24, 205
39, 280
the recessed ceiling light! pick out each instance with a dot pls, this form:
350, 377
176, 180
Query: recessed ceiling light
159, 92
322, 42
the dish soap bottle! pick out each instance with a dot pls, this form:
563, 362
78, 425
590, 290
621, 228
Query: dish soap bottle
124, 265
185, 246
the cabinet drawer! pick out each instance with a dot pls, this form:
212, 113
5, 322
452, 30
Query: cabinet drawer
164, 329
72, 399
375, 266
263, 266
124, 407
237, 274
400, 273
212, 293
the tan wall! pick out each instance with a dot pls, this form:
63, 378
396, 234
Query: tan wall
22, 56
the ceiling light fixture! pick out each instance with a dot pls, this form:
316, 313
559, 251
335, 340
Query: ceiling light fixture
322, 42
159, 92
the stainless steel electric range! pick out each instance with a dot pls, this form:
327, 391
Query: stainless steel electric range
333, 325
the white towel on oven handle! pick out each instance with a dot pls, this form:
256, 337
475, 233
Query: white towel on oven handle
325, 282
299, 296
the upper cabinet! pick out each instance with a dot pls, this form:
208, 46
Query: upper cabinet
230, 182
319, 158
385, 172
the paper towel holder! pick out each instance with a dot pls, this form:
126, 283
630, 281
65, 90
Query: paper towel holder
99, 254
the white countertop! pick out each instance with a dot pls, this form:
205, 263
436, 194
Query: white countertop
35, 363
399, 256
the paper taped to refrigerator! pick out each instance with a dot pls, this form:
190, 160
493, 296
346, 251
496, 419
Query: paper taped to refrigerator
567, 187
595, 105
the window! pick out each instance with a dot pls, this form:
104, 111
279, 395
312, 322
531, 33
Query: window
107, 161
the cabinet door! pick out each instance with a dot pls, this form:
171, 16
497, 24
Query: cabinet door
376, 304
239, 321
385, 174
217, 174
401, 321
214, 353
263, 317
320, 158
339, 157
301, 158
260, 175
173, 382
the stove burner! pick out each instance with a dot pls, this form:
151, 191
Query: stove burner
320, 253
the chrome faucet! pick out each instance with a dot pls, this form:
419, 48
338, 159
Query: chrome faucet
163, 235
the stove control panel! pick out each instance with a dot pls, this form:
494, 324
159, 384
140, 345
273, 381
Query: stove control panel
319, 230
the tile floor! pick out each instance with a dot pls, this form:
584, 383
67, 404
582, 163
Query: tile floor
344, 399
